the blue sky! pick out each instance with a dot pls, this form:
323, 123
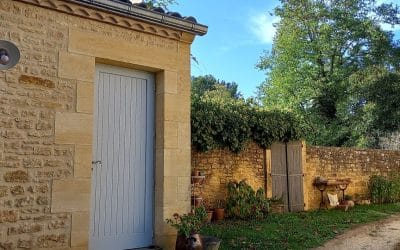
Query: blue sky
238, 33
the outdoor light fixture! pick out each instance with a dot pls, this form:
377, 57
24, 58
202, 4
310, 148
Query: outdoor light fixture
9, 55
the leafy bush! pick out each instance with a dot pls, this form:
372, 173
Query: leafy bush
219, 122
244, 203
384, 190
187, 224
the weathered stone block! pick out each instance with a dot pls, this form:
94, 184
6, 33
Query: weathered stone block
166, 82
75, 66
26, 244
74, 128
6, 246
83, 161
3, 191
57, 224
8, 216
25, 228
71, 195
24, 202
80, 229
51, 241
84, 98
162, 55
33, 80
17, 190
16, 176
42, 200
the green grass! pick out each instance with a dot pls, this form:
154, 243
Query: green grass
294, 231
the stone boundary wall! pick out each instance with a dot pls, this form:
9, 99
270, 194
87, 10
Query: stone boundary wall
222, 166
357, 164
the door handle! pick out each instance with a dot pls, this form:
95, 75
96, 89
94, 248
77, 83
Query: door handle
96, 163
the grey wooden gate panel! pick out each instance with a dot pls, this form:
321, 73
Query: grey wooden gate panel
295, 172
287, 174
278, 172
122, 185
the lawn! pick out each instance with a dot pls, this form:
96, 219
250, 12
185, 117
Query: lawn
294, 231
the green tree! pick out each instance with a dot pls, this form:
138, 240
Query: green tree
203, 84
160, 3
322, 48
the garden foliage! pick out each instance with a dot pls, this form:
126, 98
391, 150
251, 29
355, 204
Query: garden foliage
221, 120
187, 224
334, 64
384, 189
245, 203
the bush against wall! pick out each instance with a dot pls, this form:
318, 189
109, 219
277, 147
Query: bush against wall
245, 203
219, 121
384, 189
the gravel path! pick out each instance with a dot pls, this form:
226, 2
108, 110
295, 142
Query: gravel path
382, 235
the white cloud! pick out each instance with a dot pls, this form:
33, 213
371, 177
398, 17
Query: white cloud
261, 25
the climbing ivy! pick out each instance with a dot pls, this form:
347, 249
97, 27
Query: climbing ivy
231, 123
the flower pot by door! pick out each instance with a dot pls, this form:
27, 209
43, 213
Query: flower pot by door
192, 242
219, 214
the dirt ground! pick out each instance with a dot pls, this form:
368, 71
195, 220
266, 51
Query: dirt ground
384, 234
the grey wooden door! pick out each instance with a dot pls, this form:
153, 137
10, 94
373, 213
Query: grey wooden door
287, 174
295, 171
278, 173
122, 181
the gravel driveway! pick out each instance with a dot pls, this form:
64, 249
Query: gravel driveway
384, 234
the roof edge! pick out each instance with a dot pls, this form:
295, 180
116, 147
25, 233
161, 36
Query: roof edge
145, 15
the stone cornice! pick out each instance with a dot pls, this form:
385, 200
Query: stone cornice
125, 20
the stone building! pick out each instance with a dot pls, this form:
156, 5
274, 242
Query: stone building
94, 124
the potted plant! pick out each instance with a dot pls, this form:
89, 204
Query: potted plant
209, 211
188, 227
219, 211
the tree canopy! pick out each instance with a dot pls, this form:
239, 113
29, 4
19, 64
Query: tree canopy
208, 83
160, 3
334, 65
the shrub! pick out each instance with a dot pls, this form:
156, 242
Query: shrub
384, 190
231, 124
244, 203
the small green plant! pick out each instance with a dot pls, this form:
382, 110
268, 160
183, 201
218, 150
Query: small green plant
244, 203
384, 190
187, 224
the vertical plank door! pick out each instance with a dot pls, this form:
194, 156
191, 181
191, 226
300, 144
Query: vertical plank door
123, 151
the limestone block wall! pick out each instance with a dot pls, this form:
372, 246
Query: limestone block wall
357, 164
222, 166
46, 123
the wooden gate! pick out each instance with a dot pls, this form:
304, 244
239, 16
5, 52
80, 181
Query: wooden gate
287, 175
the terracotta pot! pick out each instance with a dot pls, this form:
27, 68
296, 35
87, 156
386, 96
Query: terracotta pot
219, 214
209, 216
192, 242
